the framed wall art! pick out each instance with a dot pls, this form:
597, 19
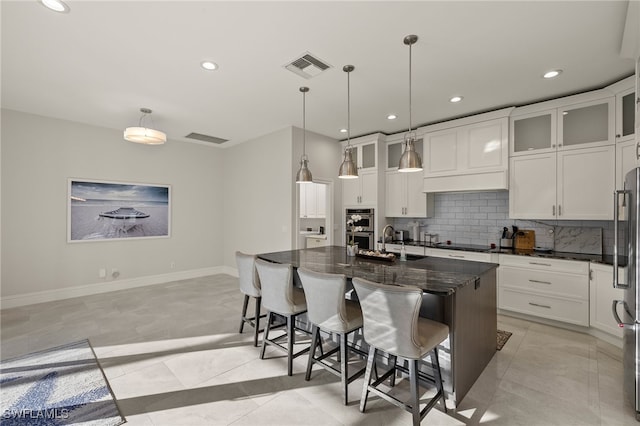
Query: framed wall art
102, 210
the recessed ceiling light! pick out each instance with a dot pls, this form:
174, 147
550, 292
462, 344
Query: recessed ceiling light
56, 5
552, 73
391, 117
343, 130
455, 99
208, 65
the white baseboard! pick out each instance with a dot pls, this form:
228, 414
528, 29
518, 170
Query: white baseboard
102, 287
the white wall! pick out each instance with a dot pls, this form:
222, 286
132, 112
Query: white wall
39, 154
258, 195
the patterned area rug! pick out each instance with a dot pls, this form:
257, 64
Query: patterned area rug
58, 386
503, 336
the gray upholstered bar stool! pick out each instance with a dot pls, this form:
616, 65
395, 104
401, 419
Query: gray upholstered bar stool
279, 296
392, 325
250, 287
328, 310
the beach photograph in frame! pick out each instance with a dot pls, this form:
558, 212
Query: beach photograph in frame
102, 210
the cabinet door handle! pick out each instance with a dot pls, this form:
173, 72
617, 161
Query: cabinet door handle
553, 210
638, 151
559, 210
539, 305
457, 255
540, 282
539, 264
553, 145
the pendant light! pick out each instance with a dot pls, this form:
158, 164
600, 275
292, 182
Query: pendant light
304, 174
348, 169
410, 160
143, 134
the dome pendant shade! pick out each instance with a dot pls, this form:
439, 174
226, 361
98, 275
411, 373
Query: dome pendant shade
304, 174
410, 160
348, 169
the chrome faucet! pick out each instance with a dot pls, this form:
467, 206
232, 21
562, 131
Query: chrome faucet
384, 234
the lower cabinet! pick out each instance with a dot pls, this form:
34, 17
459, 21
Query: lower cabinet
547, 288
316, 242
460, 255
601, 298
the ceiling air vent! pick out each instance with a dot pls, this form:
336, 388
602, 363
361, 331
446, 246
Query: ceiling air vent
205, 138
307, 65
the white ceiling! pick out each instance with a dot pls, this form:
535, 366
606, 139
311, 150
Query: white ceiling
104, 60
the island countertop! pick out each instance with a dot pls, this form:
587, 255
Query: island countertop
433, 275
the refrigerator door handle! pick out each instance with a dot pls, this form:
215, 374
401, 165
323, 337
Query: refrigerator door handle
616, 220
614, 310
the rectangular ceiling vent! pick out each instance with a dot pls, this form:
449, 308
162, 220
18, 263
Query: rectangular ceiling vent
307, 65
205, 138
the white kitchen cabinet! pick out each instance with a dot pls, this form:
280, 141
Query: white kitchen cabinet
361, 191
625, 104
404, 196
395, 248
579, 121
572, 184
364, 151
312, 200
459, 255
532, 193
602, 295
547, 288
627, 158
467, 154
316, 241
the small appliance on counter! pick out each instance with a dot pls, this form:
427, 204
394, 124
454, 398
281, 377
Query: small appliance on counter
321, 232
401, 235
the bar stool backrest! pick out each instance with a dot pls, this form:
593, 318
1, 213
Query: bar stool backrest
390, 317
325, 299
276, 280
248, 274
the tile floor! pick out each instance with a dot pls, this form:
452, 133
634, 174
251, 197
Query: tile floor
173, 356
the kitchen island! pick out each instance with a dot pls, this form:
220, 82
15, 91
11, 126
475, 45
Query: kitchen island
459, 293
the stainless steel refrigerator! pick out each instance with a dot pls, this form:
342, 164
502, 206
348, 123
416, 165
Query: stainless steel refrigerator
627, 311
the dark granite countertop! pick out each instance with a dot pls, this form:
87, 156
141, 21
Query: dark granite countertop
432, 275
605, 259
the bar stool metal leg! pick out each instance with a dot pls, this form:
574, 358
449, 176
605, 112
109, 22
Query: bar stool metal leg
438, 377
265, 336
315, 331
415, 397
257, 322
244, 312
367, 378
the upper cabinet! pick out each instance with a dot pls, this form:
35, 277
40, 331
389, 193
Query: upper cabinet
313, 200
559, 150
580, 121
404, 196
467, 154
365, 190
625, 100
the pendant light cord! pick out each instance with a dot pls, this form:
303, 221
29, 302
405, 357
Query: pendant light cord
304, 124
348, 109
410, 112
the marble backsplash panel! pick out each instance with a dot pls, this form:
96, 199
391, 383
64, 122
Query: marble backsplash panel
578, 240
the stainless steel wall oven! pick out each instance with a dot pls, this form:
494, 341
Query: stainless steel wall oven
364, 238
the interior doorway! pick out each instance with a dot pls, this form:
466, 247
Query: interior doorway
314, 218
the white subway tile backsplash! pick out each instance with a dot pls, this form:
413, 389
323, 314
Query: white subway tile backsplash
478, 218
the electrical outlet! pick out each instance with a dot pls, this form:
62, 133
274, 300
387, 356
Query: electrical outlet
115, 273
172, 265
102, 273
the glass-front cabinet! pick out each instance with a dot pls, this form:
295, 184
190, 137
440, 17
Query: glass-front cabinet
570, 126
395, 149
534, 132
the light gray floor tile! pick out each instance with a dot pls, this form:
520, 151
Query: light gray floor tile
173, 356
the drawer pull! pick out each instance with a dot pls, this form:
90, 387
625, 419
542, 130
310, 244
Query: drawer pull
540, 264
540, 306
540, 282
457, 255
